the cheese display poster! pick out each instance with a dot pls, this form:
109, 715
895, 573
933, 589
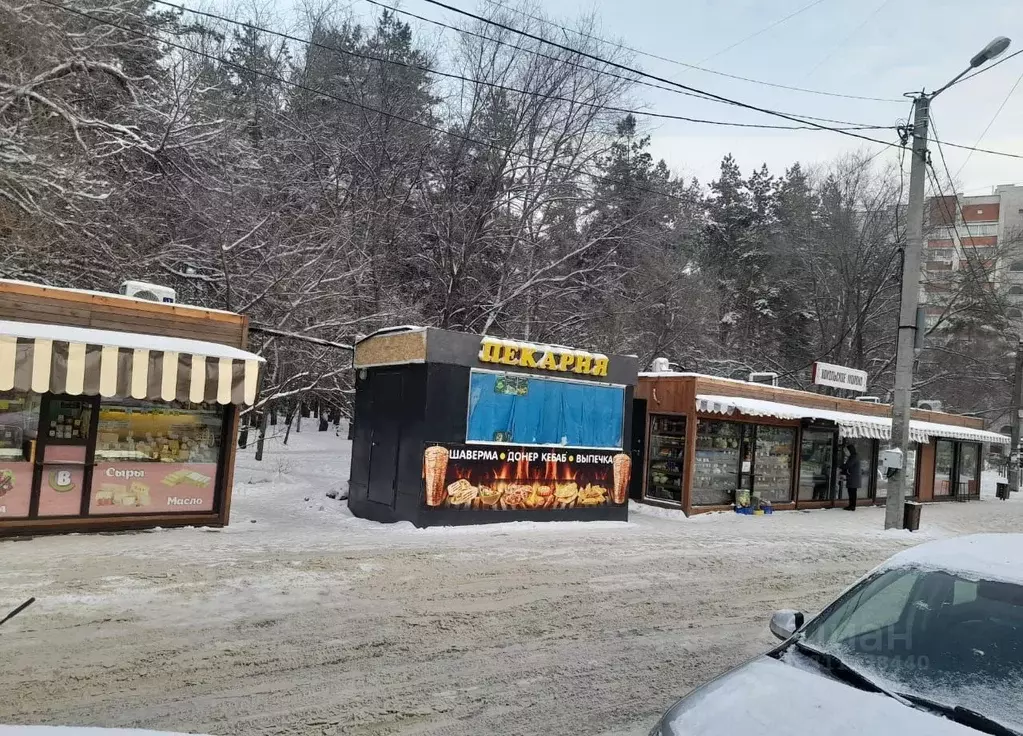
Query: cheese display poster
510, 477
147, 488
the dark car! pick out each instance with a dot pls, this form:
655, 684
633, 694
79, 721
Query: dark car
929, 643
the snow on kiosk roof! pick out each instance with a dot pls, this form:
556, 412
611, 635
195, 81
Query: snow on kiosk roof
850, 425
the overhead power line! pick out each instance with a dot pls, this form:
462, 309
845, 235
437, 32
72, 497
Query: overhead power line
989, 67
709, 95
847, 39
368, 108
684, 65
979, 150
493, 85
991, 121
766, 28
576, 65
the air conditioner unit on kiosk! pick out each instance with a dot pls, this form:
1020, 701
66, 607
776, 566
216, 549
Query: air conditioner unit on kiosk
149, 292
929, 405
768, 378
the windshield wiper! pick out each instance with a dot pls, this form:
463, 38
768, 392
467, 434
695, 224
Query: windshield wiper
966, 716
834, 664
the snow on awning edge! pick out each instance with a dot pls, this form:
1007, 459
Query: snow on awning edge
851, 426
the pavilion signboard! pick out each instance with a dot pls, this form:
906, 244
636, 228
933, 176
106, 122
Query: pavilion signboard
839, 376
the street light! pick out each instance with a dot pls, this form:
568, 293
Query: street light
905, 355
986, 54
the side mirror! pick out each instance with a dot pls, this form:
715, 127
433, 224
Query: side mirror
785, 623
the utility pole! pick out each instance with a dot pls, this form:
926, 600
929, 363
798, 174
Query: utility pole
906, 355
1017, 392
906, 350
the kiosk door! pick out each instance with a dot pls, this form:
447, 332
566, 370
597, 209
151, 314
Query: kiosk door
385, 436
63, 460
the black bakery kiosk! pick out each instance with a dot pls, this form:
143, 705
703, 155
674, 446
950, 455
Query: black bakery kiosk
456, 428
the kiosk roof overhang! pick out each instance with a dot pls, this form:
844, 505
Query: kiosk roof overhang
75, 360
852, 426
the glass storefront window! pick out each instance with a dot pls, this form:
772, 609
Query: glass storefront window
817, 465
155, 457
68, 421
716, 470
19, 425
944, 458
526, 410
772, 472
969, 468
667, 458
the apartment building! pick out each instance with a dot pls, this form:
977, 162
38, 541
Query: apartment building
976, 236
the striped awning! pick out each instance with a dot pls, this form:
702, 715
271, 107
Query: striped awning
76, 360
850, 426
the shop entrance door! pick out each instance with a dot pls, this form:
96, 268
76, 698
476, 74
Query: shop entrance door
817, 465
63, 462
384, 437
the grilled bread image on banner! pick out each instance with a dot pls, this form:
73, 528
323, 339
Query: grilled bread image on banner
622, 465
462, 492
435, 468
565, 494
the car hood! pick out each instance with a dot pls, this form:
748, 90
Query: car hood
773, 698
78, 731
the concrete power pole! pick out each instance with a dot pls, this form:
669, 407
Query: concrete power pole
1017, 395
906, 355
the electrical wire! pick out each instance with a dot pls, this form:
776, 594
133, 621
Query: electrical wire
933, 176
766, 28
493, 85
684, 65
975, 149
989, 67
567, 62
709, 95
835, 48
368, 108
991, 122
970, 261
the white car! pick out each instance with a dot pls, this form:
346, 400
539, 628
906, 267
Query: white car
930, 642
78, 731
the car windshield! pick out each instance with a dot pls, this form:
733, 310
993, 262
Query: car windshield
933, 635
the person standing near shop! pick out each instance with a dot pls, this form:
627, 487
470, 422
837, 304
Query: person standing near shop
853, 473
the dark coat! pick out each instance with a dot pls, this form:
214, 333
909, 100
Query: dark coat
853, 471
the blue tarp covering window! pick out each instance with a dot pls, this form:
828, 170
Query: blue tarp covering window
538, 411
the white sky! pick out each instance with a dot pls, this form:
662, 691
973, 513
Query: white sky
843, 46
875, 48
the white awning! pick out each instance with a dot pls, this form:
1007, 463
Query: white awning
852, 426
77, 360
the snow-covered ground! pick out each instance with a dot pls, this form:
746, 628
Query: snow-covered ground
301, 619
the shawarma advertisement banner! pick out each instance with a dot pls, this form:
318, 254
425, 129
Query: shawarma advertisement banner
508, 477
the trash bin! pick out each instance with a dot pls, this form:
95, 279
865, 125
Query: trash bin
911, 516
1002, 491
